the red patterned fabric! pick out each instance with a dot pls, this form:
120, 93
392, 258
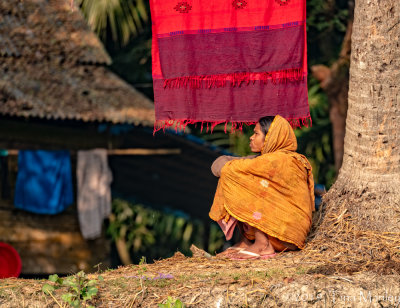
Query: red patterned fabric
229, 61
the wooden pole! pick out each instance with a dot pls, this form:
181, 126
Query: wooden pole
137, 151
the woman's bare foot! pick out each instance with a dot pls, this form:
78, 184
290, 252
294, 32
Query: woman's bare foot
266, 249
261, 247
244, 243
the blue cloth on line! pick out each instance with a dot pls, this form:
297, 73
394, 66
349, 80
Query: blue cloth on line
44, 182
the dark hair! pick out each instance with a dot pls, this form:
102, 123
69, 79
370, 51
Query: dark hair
265, 123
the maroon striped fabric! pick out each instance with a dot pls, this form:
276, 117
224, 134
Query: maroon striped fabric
229, 61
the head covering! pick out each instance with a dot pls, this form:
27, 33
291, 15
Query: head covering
273, 192
280, 136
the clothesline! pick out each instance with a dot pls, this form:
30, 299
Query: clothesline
117, 152
44, 183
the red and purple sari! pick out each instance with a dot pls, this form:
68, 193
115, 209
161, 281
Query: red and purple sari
229, 61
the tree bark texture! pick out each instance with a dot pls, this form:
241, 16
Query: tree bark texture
371, 161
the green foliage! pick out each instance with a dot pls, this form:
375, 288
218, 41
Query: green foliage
155, 233
134, 224
326, 25
142, 261
217, 238
47, 289
142, 269
327, 15
171, 303
79, 288
133, 63
123, 18
315, 142
237, 142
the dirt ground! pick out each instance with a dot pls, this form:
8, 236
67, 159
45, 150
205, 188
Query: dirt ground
289, 280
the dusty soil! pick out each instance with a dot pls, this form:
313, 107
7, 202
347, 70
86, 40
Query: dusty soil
289, 280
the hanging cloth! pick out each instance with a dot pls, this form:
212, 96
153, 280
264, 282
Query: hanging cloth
94, 178
44, 182
229, 61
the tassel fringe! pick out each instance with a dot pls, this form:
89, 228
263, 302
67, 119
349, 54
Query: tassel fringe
235, 79
300, 122
209, 126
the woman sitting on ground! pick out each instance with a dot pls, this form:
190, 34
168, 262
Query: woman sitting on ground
270, 197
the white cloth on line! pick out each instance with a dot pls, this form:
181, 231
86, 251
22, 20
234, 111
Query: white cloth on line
94, 178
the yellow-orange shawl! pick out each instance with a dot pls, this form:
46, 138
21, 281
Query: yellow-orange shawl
273, 192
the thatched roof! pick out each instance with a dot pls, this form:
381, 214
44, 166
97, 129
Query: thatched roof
52, 66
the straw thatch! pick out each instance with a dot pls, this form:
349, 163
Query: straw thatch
52, 66
347, 238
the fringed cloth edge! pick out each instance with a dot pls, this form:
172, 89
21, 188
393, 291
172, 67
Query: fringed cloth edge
235, 79
210, 125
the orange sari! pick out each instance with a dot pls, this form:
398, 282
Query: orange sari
273, 192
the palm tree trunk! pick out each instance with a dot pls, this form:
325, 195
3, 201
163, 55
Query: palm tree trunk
369, 179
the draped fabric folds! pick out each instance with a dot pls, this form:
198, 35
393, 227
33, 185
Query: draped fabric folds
94, 178
273, 192
229, 61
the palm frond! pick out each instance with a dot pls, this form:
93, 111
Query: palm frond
122, 18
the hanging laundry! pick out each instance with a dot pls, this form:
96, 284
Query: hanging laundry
229, 61
94, 193
44, 182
